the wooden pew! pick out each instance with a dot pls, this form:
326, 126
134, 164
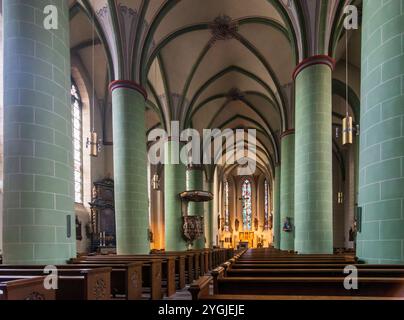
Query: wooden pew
314, 276
184, 265
324, 286
331, 272
296, 260
126, 279
151, 270
180, 265
168, 269
307, 265
197, 264
74, 284
200, 291
24, 288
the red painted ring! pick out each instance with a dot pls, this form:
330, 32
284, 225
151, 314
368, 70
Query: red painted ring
127, 84
287, 133
313, 60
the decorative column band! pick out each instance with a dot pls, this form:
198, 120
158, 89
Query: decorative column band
318, 59
287, 133
128, 85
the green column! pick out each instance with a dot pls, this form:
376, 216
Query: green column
194, 181
277, 207
313, 162
130, 168
39, 221
209, 218
174, 184
287, 192
381, 164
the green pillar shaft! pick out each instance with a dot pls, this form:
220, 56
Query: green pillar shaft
210, 217
38, 209
130, 168
381, 157
287, 192
313, 163
277, 207
174, 184
194, 181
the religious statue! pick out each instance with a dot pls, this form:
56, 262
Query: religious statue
150, 235
236, 224
94, 193
287, 225
352, 232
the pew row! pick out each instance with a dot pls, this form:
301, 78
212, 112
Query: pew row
293, 287
24, 288
73, 284
126, 279
151, 273
200, 291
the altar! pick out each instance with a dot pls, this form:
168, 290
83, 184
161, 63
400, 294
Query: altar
247, 236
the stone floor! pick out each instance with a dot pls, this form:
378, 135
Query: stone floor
184, 294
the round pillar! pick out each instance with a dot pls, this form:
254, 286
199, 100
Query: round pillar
209, 217
277, 207
38, 211
313, 156
174, 184
381, 175
130, 168
287, 191
194, 181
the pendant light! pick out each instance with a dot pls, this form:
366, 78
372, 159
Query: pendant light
156, 177
93, 142
347, 123
340, 197
156, 182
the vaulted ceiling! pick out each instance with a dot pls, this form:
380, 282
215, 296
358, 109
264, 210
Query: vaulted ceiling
214, 63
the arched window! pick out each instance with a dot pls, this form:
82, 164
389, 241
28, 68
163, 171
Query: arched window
246, 204
226, 206
77, 143
266, 205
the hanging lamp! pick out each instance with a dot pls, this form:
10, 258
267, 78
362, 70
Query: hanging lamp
93, 142
347, 123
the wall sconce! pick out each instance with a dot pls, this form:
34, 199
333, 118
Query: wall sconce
340, 197
156, 182
94, 144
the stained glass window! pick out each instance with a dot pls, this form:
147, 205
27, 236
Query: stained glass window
266, 205
77, 143
226, 206
246, 204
